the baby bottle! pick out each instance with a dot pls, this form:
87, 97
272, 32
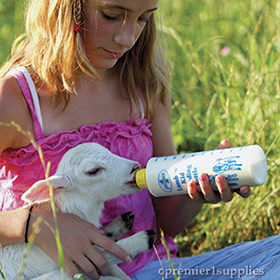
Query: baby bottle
170, 175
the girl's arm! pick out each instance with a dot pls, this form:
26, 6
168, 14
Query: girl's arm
173, 212
77, 235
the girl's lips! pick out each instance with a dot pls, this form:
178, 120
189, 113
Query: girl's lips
113, 54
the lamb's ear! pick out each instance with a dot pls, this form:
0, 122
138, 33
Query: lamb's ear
39, 192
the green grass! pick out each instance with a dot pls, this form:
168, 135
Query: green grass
234, 96
11, 24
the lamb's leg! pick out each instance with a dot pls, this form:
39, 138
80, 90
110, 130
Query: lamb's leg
118, 273
140, 242
119, 226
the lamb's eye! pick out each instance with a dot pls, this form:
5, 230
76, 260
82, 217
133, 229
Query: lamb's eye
93, 171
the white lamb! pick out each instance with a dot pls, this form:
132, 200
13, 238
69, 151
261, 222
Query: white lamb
86, 177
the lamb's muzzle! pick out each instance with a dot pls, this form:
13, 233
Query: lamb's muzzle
132, 183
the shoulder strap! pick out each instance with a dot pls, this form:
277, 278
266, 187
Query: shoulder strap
30, 94
141, 110
34, 94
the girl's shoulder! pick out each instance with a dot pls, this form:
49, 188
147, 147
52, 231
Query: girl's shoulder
13, 108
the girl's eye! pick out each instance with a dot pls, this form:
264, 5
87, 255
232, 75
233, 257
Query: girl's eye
146, 20
109, 17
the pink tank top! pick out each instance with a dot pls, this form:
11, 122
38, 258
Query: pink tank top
19, 169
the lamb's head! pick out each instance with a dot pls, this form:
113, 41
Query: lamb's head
88, 173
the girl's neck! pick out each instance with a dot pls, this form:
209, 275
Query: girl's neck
105, 76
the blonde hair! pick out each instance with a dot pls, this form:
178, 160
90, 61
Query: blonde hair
52, 51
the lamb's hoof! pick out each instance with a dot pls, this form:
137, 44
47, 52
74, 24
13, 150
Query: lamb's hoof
152, 236
128, 220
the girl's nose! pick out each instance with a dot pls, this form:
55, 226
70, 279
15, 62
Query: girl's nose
127, 35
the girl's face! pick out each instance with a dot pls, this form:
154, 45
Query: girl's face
113, 27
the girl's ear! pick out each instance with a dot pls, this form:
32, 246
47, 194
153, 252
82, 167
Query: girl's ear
39, 191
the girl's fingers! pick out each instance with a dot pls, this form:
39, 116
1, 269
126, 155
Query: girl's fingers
93, 263
224, 144
112, 247
244, 191
71, 268
193, 192
204, 192
206, 188
224, 189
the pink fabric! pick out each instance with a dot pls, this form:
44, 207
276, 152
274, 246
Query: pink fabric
19, 169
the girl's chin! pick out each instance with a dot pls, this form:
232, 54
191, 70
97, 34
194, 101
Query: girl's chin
101, 67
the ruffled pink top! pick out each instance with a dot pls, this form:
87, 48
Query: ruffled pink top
19, 169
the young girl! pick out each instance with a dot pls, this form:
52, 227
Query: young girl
90, 71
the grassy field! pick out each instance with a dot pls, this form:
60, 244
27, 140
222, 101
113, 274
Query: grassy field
225, 59
225, 85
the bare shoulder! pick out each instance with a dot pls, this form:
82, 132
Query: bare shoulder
13, 107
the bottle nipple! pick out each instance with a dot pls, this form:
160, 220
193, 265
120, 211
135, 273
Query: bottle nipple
141, 179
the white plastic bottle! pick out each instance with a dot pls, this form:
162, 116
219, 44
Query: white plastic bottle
170, 175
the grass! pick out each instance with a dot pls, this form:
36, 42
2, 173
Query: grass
11, 24
225, 59
225, 85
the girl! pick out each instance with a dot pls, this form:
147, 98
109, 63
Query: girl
90, 71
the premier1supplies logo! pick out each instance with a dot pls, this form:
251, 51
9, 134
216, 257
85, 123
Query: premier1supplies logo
230, 273
164, 181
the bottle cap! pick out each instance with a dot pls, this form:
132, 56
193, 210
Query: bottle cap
141, 179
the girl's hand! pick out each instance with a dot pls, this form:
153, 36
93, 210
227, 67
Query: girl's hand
204, 193
77, 238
